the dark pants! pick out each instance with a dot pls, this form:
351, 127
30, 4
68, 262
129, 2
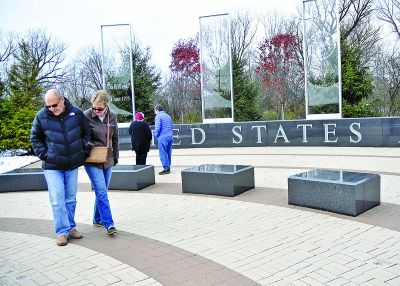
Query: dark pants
141, 158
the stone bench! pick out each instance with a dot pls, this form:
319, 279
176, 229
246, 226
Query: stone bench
342, 192
220, 180
29, 179
132, 177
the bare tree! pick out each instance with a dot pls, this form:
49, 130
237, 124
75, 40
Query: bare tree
7, 47
389, 11
394, 84
91, 67
76, 87
178, 96
387, 82
352, 13
272, 24
84, 76
243, 33
47, 57
357, 30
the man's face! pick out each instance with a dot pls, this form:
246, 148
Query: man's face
54, 104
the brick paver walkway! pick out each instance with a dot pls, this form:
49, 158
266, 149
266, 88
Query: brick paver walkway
169, 238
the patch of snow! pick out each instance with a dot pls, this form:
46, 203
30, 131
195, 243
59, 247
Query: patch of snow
15, 162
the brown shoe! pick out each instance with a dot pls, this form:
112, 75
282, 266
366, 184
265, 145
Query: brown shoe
75, 234
61, 240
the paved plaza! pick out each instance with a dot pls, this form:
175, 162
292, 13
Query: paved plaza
169, 238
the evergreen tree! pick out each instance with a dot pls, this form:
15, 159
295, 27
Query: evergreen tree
356, 83
146, 80
22, 104
245, 93
24, 87
36, 66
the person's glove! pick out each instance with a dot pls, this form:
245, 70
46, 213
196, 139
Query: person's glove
115, 162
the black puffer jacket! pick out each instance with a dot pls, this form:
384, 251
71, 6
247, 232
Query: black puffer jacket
60, 141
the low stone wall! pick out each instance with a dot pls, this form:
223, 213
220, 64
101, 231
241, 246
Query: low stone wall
355, 132
349, 193
30, 179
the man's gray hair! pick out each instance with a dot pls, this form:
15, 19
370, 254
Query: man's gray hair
55, 92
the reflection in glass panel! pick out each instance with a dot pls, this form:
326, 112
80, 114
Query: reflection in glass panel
117, 70
130, 167
322, 60
334, 176
216, 67
217, 168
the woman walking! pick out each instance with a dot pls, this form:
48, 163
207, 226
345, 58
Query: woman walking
104, 132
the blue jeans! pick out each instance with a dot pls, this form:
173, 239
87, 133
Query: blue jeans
165, 151
100, 179
62, 186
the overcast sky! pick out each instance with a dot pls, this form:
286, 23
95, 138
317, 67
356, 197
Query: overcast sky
155, 23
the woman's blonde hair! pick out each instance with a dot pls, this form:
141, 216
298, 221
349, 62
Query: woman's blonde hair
100, 96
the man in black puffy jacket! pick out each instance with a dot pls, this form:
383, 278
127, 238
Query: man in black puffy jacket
60, 135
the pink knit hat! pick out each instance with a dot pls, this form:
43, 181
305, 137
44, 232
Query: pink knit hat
139, 116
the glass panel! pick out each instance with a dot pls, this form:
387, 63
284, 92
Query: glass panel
334, 176
117, 76
130, 167
216, 67
322, 44
215, 168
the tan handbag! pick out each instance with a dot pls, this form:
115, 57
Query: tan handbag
98, 154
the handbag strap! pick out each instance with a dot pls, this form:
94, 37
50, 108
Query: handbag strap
108, 129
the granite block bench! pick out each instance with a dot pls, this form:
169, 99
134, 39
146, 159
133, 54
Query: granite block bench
132, 177
342, 192
220, 180
29, 179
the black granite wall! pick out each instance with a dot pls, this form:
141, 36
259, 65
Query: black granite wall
355, 132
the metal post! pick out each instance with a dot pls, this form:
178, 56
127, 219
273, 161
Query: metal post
132, 77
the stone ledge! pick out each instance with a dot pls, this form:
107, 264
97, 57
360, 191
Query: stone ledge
220, 180
29, 179
342, 192
132, 177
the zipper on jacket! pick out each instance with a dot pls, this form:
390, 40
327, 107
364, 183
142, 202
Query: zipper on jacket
67, 146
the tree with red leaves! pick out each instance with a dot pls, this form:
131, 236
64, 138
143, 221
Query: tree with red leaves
184, 83
276, 55
185, 59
